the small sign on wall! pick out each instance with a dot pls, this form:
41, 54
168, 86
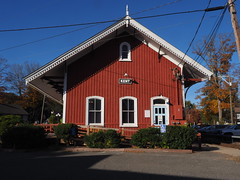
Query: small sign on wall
163, 128
238, 116
147, 113
125, 81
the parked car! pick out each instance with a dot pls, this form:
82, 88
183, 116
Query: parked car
214, 129
231, 130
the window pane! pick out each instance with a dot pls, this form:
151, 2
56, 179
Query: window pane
164, 121
158, 101
98, 104
156, 120
160, 110
124, 117
156, 110
163, 110
131, 117
131, 104
124, 104
91, 104
125, 48
98, 117
91, 117
124, 55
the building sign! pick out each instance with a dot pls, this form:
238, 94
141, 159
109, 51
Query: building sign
163, 128
125, 81
238, 116
147, 113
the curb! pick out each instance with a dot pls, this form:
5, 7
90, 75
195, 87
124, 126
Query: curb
131, 150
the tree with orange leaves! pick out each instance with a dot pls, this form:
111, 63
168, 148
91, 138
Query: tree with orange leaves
214, 96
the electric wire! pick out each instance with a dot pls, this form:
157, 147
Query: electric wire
196, 32
46, 38
103, 22
211, 36
20, 45
153, 8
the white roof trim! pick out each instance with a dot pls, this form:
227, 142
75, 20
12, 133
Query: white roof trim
125, 21
74, 51
169, 47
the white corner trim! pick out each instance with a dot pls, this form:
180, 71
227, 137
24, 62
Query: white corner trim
64, 97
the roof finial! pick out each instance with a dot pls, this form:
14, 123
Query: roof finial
127, 12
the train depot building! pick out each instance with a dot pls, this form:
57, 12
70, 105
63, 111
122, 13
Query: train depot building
123, 77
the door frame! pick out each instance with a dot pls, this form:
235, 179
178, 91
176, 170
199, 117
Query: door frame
166, 105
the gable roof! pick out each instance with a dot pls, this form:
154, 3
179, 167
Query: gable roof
12, 109
45, 78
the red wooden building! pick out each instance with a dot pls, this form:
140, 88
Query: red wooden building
124, 76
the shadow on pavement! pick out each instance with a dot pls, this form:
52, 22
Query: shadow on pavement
65, 166
204, 147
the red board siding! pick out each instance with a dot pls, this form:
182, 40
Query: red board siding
98, 73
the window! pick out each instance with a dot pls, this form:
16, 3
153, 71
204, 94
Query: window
128, 112
95, 110
125, 52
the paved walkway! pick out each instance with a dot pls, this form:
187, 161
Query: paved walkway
221, 149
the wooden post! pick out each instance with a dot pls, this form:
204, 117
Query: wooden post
235, 25
88, 130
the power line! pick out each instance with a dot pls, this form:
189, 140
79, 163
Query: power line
150, 9
212, 35
108, 21
50, 37
43, 39
196, 32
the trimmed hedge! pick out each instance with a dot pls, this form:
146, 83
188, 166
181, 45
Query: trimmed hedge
176, 137
7, 122
101, 139
147, 138
66, 131
24, 136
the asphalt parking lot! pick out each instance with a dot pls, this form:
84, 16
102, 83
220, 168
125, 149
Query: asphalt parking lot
62, 165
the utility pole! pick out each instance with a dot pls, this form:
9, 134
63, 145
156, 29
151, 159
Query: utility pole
234, 20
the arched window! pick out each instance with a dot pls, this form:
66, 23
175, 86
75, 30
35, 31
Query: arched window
125, 52
94, 110
128, 112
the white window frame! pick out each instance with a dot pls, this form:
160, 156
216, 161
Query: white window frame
129, 52
135, 124
166, 105
102, 110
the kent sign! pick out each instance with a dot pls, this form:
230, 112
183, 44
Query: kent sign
125, 81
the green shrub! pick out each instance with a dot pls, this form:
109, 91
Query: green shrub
8, 121
53, 119
107, 139
178, 137
112, 139
65, 131
24, 136
147, 138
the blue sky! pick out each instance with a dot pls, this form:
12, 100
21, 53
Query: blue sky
176, 29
